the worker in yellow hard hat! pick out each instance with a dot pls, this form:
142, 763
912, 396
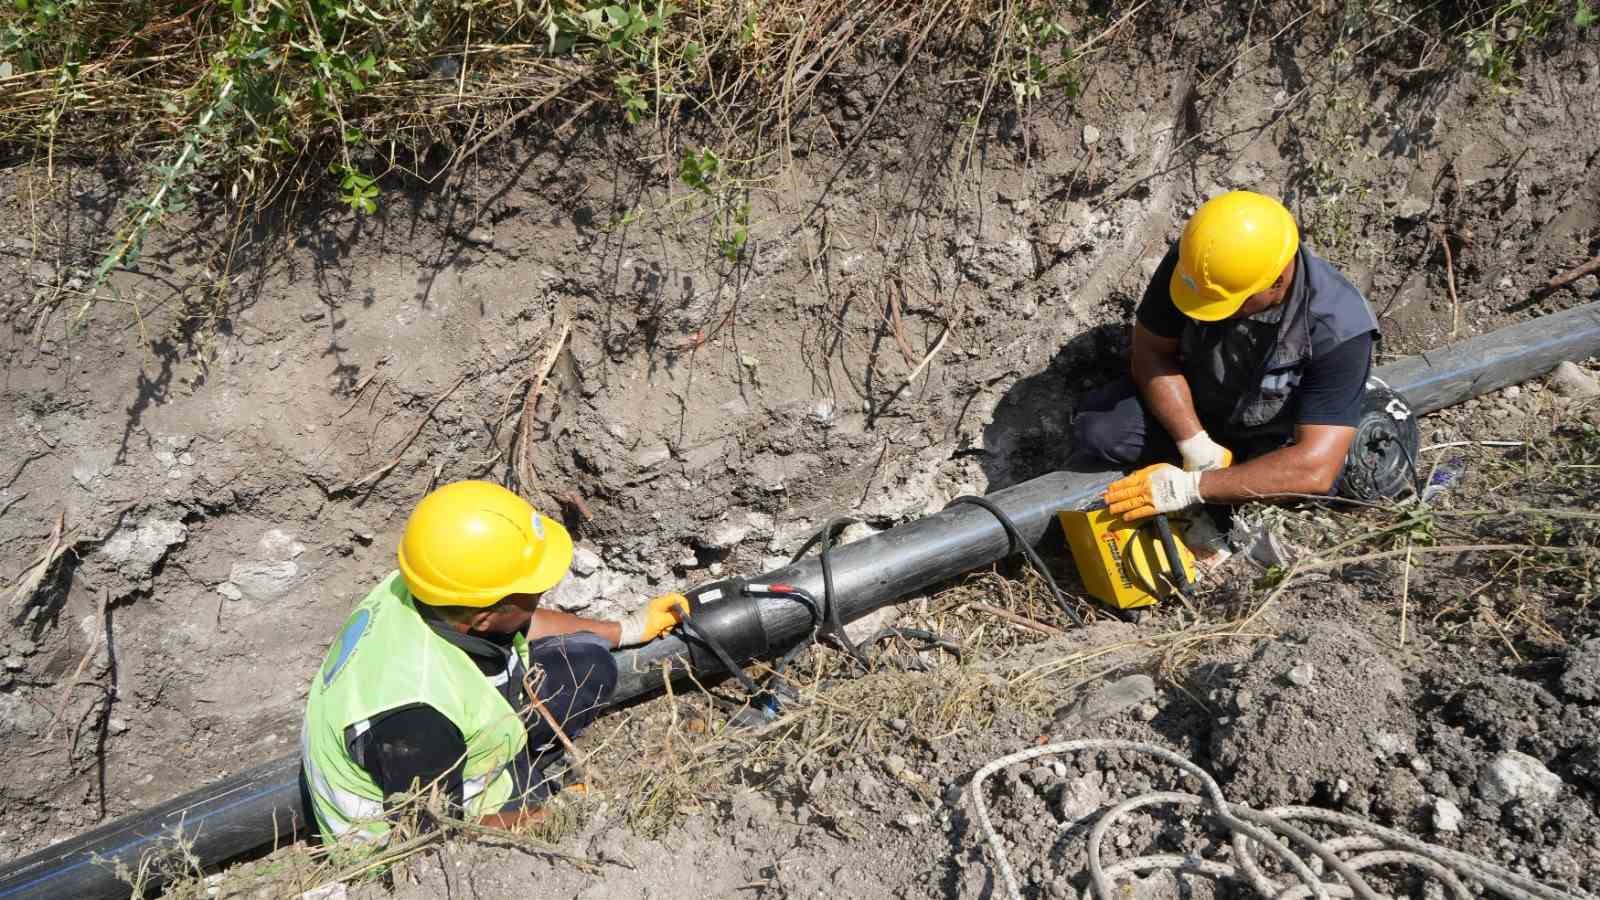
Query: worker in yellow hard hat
436, 680
1247, 349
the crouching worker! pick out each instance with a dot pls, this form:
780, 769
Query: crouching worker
426, 685
1249, 377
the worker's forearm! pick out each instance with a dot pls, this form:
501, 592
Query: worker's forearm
554, 622
1286, 472
1166, 393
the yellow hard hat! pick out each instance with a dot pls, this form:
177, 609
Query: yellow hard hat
473, 543
1235, 245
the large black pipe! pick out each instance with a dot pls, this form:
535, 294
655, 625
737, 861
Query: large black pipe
1436, 379
246, 811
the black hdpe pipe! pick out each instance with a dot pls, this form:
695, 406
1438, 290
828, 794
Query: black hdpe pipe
247, 811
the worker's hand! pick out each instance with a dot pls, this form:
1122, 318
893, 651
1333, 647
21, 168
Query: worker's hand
658, 614
1201, 453
1161, 488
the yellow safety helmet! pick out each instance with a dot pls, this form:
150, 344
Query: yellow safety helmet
473, 543
1235, 245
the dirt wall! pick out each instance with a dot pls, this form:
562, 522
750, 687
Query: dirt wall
908, 321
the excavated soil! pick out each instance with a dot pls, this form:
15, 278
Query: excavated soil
909, 323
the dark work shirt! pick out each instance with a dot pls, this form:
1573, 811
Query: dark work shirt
418, 745
1332, 385
415, 745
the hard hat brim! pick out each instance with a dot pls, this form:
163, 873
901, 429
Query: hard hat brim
1197, 306
553, 564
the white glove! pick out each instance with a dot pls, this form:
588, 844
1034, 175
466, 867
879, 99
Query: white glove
1161, 488
1201, 454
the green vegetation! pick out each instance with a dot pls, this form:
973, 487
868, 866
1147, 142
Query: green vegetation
256, 101
1498, 35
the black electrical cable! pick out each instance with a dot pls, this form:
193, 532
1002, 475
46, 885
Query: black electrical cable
694, 633
1382, 462
931, 640
830, 609
1019, 545
824, 615
763, 698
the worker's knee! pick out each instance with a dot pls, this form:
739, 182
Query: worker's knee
1106, 438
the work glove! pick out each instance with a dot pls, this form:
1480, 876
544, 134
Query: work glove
1161, 488
1202, 454
659, 614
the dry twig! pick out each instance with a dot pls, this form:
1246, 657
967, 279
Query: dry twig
1568, 277
937, 346
530, 404
1019, 621
1450, 279
579, 760
33, 576
374, 476
94, 647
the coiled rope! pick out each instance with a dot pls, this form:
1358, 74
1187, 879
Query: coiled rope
1254, 830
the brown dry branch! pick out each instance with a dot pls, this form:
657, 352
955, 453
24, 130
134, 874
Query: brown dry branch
530, 404
376, 475
362, 388
94, 647
1568, 277
538, 104
1443, 234
522, 841
898, 328
1405, 593
1013, 618
926, 359
530, 689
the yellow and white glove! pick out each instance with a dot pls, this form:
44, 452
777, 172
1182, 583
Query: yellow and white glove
1202, 454
1161, 488
659, 614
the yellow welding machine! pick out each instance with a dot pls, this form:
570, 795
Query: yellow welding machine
1115, 558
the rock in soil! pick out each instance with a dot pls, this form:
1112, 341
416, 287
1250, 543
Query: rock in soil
1518, 776
1571, 380
1581, 680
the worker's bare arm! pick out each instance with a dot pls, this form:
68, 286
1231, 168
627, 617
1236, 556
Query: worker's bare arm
554, 622
1160, 381
1308, 466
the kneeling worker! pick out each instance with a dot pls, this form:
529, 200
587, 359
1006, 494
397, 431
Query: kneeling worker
425, 685
1246, 346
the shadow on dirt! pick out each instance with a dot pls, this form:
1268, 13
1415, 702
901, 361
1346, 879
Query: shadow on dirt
1029, 434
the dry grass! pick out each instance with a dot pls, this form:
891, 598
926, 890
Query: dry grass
675, 756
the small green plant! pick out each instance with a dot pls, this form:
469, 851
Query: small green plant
727, 199
1038, 33
1498, 42
358, 191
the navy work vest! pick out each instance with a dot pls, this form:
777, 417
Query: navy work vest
1243, 372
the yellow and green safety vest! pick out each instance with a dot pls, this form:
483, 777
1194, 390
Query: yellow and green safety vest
387, 657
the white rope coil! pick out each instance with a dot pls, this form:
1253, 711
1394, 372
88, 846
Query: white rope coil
1318, 867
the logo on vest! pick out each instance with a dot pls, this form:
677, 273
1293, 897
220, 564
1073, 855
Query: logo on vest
346, 645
